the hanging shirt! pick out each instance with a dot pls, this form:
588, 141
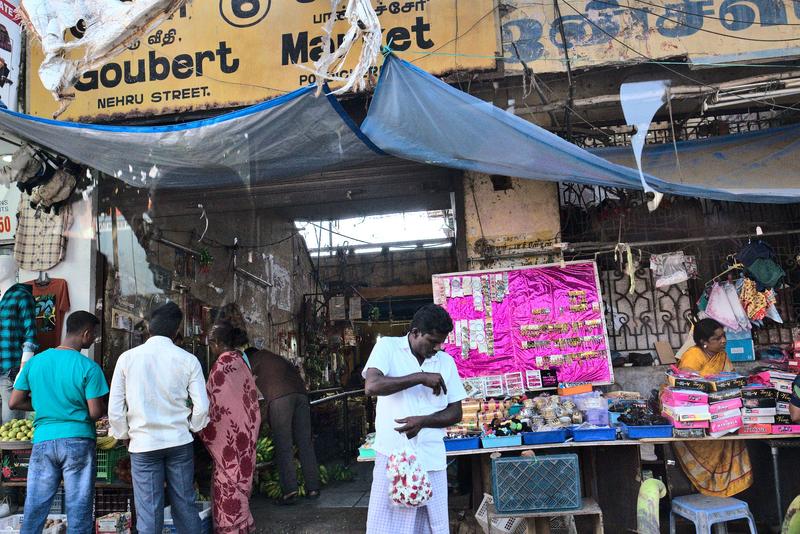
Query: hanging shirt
393, 357
17, 326
60, 382
52, 305
158, 396
40, 241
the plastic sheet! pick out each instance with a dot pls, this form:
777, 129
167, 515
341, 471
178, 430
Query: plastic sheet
294, 135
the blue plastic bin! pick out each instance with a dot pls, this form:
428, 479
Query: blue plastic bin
462, 444
490, 442
594, 434
547, 436
651, 431
543, 483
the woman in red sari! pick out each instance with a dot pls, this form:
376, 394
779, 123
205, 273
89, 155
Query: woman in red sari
231, 435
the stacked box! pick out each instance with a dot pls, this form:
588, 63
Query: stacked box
759, 405
725, 405
686, 409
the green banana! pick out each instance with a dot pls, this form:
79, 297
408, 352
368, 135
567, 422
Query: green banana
791, 523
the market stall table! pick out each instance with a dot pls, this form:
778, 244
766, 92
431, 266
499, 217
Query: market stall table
539, 522
590, 475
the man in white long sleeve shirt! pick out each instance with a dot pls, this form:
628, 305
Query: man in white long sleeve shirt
158, 398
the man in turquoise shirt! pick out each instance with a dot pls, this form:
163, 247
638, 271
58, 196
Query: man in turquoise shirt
66, 390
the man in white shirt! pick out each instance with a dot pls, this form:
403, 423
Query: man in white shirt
158, 398
419, 395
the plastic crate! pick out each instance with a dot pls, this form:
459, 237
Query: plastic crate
57, 507
462, 444
203, 509
548, 436
536, 484
13, 523
594, 434
490, 442
651, 431
500, 525
110, 500
107, 460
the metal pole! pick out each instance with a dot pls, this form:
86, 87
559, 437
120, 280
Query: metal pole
776, 473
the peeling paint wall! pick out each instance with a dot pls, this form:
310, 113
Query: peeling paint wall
509, 221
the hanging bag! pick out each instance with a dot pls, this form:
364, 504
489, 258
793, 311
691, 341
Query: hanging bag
409, 484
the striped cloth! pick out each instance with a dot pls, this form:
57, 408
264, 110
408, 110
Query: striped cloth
384, 517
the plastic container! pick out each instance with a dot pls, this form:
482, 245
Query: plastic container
13, 523
203, 509
107, 460
536, 484
462, 444
650, 431
594, 434
490, 442
547, 436
366, 453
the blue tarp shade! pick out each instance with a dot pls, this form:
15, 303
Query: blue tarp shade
294, 135
762, 166
416, 116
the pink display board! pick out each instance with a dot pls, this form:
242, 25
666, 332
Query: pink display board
526, 329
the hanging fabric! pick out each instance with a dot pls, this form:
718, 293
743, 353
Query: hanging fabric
669, 269
737, 308
719, 308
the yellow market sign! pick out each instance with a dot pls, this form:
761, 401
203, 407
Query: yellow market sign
228, 53
605, 32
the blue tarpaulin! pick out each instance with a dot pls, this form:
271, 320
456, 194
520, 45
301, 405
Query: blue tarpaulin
416, 116
413, 116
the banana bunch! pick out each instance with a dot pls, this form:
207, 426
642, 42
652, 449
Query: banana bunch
265, 450
323, 475
270, 485
791, 523
106, 442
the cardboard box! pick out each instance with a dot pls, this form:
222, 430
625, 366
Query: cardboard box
726, 425
688, 433
723, 382
782, 408
786, 429
759, 403
782, 396
719, 416
698, 384
686, 425
740, 350
724, 406
755, 429
755, 420
759, 412
688, 413
683, 397
758, 392
781, 419
782, 385
116, 523
725, 394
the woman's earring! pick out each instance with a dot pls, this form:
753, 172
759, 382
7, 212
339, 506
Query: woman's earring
705, 346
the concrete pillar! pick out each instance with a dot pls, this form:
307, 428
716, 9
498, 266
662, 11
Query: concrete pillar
509, 222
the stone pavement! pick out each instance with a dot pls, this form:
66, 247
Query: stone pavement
341, 509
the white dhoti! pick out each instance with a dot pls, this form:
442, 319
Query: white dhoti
384, 517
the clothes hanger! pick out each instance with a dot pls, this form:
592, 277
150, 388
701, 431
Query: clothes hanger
735, 267
43, 279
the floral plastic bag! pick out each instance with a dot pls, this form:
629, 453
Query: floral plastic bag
408, 482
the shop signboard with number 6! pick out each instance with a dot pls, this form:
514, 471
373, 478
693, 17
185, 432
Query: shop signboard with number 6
9, 201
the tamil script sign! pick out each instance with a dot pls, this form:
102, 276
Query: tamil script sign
602, 32
227, 53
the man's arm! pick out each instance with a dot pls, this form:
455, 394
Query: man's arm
20, 400
794, 412
199, 397
97, 408
410, 426
379, 385
117, 407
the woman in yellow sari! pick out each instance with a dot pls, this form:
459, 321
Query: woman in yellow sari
716, 468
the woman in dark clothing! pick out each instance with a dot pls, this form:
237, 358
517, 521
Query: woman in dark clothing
289, 416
